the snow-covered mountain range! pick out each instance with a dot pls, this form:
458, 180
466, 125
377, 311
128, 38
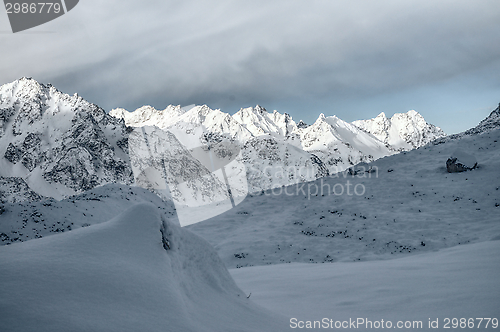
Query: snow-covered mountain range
336, 143
403, 131
56, 145
277, 151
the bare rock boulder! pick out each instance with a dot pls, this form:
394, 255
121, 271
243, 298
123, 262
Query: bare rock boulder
460, 161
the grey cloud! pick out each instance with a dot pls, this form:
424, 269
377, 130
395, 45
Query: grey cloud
227, 53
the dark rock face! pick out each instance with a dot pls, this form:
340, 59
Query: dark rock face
13, 154
322, 169
302, 125
27, 152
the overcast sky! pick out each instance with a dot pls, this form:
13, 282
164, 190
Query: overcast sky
351, 58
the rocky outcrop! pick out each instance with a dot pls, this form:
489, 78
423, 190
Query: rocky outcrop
491, 122
460, 162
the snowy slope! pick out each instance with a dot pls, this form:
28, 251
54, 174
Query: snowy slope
403, 131
15, 189
459, 282
260, 122
279, 163
411, 204
136, 272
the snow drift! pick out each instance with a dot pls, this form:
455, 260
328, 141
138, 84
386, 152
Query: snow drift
117, 276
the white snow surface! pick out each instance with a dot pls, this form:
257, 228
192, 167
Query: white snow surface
459, 282
117, 276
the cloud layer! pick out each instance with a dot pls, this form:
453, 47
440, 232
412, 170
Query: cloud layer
291, 54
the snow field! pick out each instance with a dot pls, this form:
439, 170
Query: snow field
117, 276
458, 282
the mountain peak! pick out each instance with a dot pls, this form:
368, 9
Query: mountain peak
24, 88
260, 109
81, 145
302, 125
403, 131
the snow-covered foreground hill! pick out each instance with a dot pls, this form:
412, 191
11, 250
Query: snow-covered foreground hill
136, 272
459, 282
409, 205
